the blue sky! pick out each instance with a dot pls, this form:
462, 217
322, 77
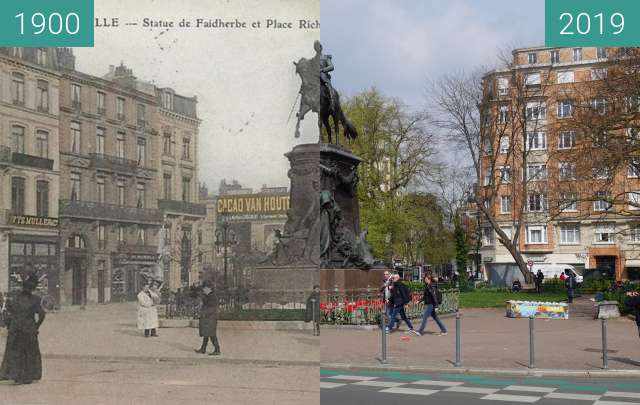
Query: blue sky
397, 45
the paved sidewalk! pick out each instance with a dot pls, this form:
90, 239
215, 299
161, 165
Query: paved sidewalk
109, 332
491, 341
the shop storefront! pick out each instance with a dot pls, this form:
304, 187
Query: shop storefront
127, 274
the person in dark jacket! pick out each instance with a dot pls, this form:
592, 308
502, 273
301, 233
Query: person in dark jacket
312, 313
516, 286
22, 362
400, 296
539, 280
430, 299
633, 303
571, 284
208, 323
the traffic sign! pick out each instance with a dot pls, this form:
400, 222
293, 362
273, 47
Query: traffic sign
530, 263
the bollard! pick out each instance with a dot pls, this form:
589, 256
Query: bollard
383, 326
532, 363
316, 327
605, 355
458, 362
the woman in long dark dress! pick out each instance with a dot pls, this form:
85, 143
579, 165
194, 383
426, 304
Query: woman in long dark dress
22, 362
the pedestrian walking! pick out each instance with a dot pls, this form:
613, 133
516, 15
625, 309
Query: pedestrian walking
539, 281
312, 313
400, 296
571, 284
432, 299
22, 362
208, 323
633, 303
385, 290
147, 311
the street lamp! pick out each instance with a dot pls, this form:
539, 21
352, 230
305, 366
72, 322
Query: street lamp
225, 238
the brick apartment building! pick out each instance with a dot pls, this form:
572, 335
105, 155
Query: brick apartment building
566, 217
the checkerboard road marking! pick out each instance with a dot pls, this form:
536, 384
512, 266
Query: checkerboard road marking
574, 397
352, 378
511, 398
409, 391
329, 385
438, 383
473, 390
620, 394
385, 384
529, 388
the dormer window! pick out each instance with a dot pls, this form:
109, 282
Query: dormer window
167, 100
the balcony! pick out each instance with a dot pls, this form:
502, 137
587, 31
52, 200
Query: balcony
76, 105
31, 161
109, 212
137, 249
183, 207
120, 116
113, 163
5, 155
102, 111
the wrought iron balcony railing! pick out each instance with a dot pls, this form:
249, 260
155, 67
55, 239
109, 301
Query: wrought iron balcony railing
32, 161
102, 161
109, 212
183, 207
5, 155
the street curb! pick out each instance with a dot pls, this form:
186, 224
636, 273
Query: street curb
486, 371
241, 325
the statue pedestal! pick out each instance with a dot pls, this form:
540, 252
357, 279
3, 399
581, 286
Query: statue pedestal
286, 287
350, 280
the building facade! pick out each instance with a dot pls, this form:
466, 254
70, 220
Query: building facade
576, 227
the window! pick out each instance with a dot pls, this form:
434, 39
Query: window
634, 200
74, 130
577, 54
634, 232
599, 105
632, 104
186, 148
601, 138
567, 76
565, 109
17, 52
17, 88
567, 140
602, 201
555, 56
41, 56
140, 195
76, 95
141, 235
75, 187
505, 204
186, 189
100, 137
503, 86
17, 139
166, 186
532, 81
601, 53
508, 231
532, 58
17, 195
42, 198
568, 202
42, 101
601, 172
166, 147
536, 171
569, 234
536, 111
487, 176
120, 145
100, 189
142, 114
567, 170
604, 233
121, 236
167, 100
142, 151
599, 74
101, 103
505, 174
634, 169
120, 108
537, 202
503, 117
42, 143
488, 238
504, 144
488, 147
102, 237
633, 136
121, 193
536, 140
536, 234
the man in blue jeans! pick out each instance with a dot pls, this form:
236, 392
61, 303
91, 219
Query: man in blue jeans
400, 296
430, 299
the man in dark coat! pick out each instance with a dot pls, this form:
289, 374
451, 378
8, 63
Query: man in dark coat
22, 361
633, 303
209, 320
539, 280
312, 313
571, 284
400, 296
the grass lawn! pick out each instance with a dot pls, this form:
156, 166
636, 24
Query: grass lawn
494, 299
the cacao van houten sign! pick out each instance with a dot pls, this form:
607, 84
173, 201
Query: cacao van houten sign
29, 220
253, 206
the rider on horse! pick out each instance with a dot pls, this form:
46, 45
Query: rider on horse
326, 66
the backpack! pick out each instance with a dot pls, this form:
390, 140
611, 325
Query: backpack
438, 296
406, 295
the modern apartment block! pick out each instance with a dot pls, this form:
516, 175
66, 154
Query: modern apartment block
577, 227
108, 192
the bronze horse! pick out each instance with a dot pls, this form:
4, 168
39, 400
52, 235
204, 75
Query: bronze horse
315, 97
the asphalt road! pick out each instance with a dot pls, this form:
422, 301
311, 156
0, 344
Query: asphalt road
340, 387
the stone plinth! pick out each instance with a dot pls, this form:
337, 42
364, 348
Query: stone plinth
282, 286
608, 309
350, 280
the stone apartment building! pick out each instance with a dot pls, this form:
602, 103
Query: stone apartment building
125, 197
29, 166
583, 232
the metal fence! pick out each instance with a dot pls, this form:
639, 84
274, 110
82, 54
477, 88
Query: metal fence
365, 308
